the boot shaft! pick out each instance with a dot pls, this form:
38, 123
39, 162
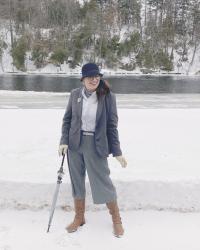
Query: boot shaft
114, 211
79, 207
79, 219
117, 223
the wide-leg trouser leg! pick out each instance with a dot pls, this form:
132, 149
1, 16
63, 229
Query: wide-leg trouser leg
77, 174
102, 188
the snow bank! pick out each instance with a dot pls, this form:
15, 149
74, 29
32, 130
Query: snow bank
182, 196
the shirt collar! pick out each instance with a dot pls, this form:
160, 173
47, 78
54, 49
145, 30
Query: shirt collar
93, 95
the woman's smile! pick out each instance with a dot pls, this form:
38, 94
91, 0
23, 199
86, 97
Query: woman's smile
91, 83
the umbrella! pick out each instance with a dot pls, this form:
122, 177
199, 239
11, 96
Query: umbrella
59, 181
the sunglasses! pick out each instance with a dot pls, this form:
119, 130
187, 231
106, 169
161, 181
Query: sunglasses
93, 77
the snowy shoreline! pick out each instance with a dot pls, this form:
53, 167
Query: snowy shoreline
106, 74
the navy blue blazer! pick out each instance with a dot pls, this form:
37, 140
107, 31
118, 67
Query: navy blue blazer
106, 132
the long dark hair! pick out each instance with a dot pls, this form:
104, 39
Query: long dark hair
103, 88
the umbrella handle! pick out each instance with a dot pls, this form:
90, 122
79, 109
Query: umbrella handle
60, 171
63, 160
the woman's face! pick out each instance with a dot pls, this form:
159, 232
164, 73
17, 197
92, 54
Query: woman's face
92, 82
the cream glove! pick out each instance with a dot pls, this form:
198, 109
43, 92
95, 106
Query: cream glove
62, 149
122, 160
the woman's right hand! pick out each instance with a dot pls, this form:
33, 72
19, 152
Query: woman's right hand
62, 149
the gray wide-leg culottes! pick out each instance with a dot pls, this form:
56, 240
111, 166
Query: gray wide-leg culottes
86, 158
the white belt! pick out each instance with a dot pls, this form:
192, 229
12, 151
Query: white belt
87, 133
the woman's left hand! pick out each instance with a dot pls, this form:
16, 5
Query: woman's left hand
122, 160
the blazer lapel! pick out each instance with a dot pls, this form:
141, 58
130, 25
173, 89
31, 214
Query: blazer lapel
79, 103
99, 108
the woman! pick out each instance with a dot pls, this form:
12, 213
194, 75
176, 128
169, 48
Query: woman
89, 134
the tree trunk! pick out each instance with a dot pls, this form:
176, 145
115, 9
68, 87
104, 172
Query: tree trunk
193, 56
10, 23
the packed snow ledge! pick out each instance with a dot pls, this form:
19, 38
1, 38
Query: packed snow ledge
161, 146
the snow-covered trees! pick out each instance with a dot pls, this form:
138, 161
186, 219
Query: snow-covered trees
148, 33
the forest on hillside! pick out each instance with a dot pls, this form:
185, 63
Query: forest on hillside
114, 33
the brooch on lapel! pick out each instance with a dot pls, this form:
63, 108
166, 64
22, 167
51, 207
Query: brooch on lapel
79, 99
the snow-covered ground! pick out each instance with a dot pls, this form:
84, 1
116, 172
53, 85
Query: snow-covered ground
156, 192
144, 230
161, 146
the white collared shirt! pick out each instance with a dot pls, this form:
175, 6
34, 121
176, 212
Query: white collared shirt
89, 111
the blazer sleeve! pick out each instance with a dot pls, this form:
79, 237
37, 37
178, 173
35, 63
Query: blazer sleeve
66, 124
112, 123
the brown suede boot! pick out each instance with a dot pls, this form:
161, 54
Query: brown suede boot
79, 219
117, 223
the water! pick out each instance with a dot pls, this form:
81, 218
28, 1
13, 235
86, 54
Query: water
131, 92
123, 84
